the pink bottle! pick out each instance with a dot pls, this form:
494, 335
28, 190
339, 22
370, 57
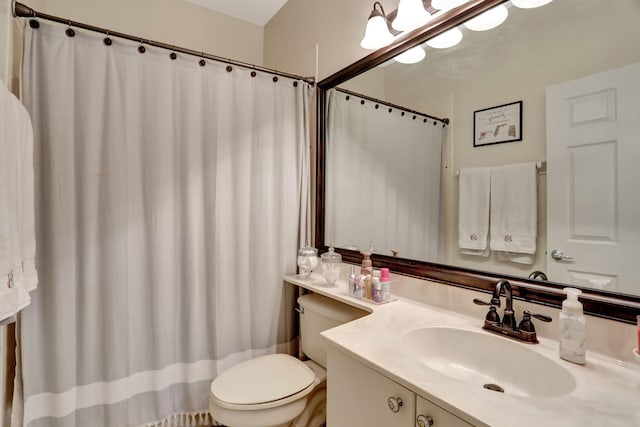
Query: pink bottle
385, 280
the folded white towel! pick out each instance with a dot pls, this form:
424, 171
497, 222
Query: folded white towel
18, 275
514, 218
516, 257
473, 211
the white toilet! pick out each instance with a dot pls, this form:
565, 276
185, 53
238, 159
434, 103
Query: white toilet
278, 389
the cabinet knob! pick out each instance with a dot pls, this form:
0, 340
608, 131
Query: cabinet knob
394, 404
423, 421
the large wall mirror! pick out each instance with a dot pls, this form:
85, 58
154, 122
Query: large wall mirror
395, 140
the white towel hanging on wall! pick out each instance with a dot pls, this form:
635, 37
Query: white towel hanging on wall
473, 211
514, 220
18, 275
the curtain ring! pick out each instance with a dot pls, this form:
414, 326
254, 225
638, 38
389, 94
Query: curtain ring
107, 40
173, 55
141, 48
69, 31
202, 62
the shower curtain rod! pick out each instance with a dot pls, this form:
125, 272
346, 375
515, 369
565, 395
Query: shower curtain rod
389, 104
24, 11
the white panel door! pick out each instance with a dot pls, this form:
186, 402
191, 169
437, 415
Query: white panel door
593, 180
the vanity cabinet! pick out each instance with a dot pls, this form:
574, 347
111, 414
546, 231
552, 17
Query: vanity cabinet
358, 396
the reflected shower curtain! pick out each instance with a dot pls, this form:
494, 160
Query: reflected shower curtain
170, 200
383, 179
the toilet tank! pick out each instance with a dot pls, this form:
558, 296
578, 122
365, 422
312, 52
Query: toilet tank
318, 314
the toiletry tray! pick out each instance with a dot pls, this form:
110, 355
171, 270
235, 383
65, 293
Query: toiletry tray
392, 299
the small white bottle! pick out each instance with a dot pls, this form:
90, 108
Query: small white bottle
573, 328
351, 281
377, 289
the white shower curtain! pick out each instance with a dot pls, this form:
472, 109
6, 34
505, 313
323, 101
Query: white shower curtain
170, 199
383, 179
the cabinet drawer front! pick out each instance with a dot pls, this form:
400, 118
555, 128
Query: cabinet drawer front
358, 396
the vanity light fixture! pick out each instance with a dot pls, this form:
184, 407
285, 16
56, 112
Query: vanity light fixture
446, 40
529, 4
489, 19
377, 32
411, 15
411, 56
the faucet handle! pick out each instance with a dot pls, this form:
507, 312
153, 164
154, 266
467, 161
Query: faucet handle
492, 316
526, 325
543, 317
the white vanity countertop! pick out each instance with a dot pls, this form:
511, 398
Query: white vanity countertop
607, 392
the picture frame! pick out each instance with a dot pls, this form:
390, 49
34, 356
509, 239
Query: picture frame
497, 125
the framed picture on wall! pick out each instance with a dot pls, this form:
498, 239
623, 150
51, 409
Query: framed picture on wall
499, 124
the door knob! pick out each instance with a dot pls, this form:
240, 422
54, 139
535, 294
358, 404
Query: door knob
558, 255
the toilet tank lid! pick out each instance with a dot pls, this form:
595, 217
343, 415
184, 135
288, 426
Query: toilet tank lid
261, 380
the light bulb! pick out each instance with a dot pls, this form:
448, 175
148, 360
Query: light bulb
411, 56
411, 15
488, 20
446, 40
529, 4
377, 33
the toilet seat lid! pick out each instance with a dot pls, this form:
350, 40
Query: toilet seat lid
261, 380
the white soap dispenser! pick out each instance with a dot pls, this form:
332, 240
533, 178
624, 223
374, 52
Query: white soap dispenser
573, 328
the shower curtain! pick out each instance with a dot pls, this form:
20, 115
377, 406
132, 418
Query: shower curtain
171, 198
383, 179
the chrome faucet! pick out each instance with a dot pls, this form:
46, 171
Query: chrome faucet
525, 331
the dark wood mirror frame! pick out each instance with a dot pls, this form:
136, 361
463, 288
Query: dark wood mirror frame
622, 308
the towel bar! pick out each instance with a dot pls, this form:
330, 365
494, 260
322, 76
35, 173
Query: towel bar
540, 165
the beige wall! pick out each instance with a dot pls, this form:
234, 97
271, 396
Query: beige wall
5, 19
170, 21
335, 27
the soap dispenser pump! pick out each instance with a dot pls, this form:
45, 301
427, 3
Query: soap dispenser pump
572, 328
367, 265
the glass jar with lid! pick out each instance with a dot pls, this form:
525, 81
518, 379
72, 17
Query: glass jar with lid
331, 264
307, 260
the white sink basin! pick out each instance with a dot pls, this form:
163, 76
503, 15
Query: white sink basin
488, 361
